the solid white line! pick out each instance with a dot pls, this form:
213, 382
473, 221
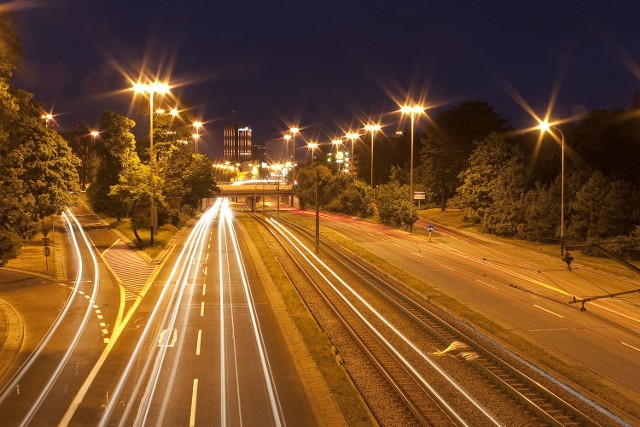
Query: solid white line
447, 267
199, 342
630, 346
548, 311
194, 397
202, 309
485, 283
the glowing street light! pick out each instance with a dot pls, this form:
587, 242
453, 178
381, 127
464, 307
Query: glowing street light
196, 136
294, 130
372, 128
312, 146
151, 89
412, 110
47, 118
545, 127
287, 138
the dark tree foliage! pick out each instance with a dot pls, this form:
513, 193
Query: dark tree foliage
116, 150
448, 143
490, 156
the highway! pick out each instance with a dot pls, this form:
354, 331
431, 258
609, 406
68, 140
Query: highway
202, 347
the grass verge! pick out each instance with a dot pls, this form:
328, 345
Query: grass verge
164, 236
577, 374
31, 258
346, 396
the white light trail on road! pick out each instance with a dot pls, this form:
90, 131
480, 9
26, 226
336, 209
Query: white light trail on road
223, 361
189, 270
300, 247
11, 385
204, 220
266, 367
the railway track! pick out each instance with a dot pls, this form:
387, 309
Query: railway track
469, 381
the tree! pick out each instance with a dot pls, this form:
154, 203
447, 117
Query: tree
116, 150
133, 195
38, 168
307, 176
491, 155
604, 207
394, 206
354, 199
506, 214
199, 181
448, 143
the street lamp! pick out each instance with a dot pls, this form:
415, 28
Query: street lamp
372, 128
287, 138
545, 127
196, 136
151, 89
47, 118
412, 110
294, 130
336, 143
312, 146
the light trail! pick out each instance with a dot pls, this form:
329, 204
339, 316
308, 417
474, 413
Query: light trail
301, 248
115, 396
22, 371
192, 263
276, 409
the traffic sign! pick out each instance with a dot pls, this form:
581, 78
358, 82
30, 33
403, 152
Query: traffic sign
430, 228
419, 195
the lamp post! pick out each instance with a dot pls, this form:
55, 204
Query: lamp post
545, 126
294, 130
196, 135
151, 89
287, 156
372, 128
412, 110
312, 146
47, 118
336, 143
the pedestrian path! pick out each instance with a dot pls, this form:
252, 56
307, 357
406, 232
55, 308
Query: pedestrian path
130, 268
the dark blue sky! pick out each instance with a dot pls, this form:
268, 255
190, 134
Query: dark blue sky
329, 64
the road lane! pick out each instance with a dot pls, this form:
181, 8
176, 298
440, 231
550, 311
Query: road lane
518, 280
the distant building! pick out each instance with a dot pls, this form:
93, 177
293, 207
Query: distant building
237, 142
259, 152
276, 151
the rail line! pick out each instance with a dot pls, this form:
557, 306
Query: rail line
431, 398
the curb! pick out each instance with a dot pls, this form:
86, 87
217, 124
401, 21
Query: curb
10, 348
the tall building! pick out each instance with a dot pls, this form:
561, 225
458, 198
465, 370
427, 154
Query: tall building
237, 142
276, 151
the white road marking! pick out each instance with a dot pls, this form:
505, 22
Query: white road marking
204, 289
202, 309
447, 267
486, 284
194, 397
630, 346
417, 254
199, 342
548, 311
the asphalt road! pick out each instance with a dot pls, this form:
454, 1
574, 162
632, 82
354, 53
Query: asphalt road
522, 290
201, 348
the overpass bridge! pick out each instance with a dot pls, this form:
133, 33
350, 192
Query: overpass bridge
254, 191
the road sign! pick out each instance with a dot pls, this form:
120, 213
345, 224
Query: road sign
45, 241
430, 228
419, 195
47, 251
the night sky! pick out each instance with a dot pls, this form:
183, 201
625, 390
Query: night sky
327, 65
